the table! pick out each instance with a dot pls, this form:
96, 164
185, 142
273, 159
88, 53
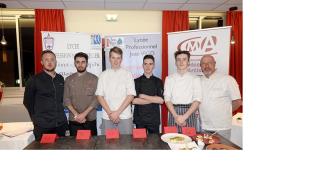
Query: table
227, 142
125, 142
65, 143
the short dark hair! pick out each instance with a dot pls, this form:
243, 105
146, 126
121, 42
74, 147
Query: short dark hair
47, 51
116, 50
148, 57
182, 52
81, 54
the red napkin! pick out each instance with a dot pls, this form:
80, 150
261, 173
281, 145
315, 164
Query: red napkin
189, 131
112, 134
139, 133
83, 134
48, 138
170, 129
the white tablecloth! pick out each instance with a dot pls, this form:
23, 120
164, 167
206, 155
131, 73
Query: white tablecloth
236, 130
19, 142
16, 135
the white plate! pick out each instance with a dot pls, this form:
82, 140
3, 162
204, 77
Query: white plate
185, 146
167, 137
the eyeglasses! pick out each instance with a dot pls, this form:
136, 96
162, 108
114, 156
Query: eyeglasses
204, 64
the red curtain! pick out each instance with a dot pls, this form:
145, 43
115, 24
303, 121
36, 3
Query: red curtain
234, 19
172, 21
45, 20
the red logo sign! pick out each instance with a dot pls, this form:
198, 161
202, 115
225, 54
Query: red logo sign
198, 46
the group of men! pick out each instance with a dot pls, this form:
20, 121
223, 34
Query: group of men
46, 95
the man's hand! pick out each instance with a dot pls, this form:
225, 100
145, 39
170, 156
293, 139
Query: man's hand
142, 96
81, 118
180, 120
114, 116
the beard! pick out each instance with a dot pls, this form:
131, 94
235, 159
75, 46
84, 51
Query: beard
81, 70
49, 70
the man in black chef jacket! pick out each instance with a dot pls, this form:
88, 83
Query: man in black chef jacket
149, 97
43, 98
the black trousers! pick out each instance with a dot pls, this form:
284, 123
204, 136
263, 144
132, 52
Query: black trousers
60, 131
88, 125
151, 128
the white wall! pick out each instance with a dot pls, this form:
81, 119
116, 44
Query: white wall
91, 21
94, 21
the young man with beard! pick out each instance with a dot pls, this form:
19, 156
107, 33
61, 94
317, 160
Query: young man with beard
149, 96
43, 98
79, 97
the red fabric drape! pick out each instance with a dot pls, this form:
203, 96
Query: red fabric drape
234, 19
45, 20
172, 21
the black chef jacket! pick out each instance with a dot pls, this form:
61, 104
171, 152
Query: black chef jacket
43, 98
149, 113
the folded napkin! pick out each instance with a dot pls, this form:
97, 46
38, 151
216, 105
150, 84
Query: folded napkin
13, 129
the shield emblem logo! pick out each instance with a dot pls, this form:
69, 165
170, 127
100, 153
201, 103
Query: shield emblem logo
48, 42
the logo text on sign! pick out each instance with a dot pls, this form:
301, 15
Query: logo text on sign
198, 46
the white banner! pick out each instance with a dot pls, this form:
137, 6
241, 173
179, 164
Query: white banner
135, 47
213, 41
66, 44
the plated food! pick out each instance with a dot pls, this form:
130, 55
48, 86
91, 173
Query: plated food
175, 138
207, 139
